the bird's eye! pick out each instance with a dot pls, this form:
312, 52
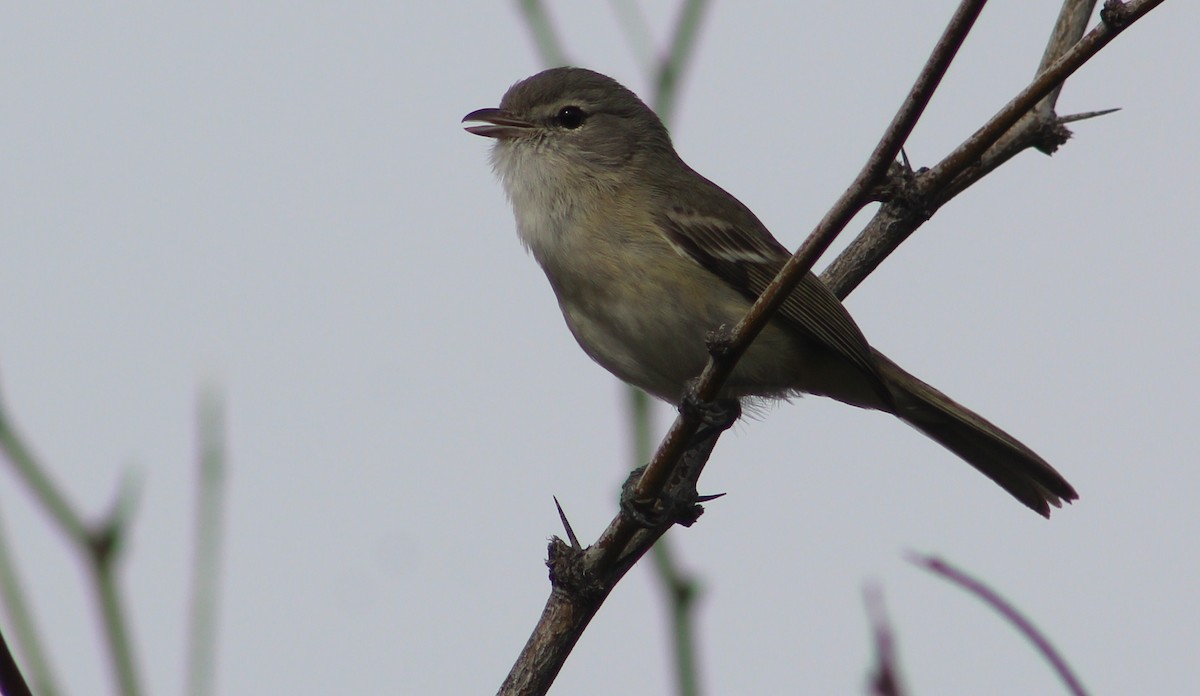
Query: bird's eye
570, 117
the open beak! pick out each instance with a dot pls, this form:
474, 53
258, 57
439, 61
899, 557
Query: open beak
497, 123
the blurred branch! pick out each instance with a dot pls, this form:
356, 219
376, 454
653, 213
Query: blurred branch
210, 507
885, 680
39, 483
11, 681
544, 36
103, 550
25, 633
1008, 611
681, 590
670, 71
99, 545
637, 33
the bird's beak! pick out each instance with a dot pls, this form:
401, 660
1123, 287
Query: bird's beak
497, 124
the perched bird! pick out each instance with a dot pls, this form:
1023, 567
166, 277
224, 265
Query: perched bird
646, 257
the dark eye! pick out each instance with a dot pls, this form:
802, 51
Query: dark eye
570, 117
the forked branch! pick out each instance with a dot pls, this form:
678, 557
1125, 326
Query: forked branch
582, 580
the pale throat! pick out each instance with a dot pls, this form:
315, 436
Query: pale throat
549, 196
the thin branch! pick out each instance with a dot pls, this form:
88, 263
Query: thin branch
38, 481
100, 546
720, 366
542, 30
25, 632
637, 32
670, 72
1048, 80
11, 681
1071, 23
1008, 611
112, 607
1009, 132
680, 590
210, 508
578, 592
885, 680
582, 582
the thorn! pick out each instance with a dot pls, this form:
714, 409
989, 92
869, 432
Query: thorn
1085, 115
108, 535
567, 526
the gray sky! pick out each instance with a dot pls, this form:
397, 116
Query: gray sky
281, 201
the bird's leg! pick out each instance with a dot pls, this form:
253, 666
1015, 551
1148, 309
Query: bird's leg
679, 502
715, 416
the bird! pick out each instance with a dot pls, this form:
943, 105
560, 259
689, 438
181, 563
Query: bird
646, 257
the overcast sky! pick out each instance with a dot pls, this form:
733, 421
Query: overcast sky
279, 200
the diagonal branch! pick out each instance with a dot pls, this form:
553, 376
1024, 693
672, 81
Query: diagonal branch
99, 544
26, 638
847, 206
582, 580
11, 681
1009, 612
1028, 120
542, 28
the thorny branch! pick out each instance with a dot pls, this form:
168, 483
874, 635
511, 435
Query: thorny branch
583, 580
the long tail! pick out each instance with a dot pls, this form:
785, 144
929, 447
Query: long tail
998, 455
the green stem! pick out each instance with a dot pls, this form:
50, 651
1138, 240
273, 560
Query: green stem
25, 632
39, 482
544, 36
210, 505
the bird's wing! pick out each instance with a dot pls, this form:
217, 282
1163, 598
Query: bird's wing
747, 257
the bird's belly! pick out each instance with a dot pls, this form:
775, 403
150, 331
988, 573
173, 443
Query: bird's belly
657, 355
654, 337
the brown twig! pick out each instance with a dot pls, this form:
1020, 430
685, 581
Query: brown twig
582, 581
1008, 611
857, 195
1028, 120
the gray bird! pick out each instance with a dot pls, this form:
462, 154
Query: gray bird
646, 257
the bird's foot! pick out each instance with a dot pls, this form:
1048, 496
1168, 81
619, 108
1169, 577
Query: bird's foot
678, 503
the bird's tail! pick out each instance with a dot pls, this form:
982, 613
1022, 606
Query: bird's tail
995, 453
